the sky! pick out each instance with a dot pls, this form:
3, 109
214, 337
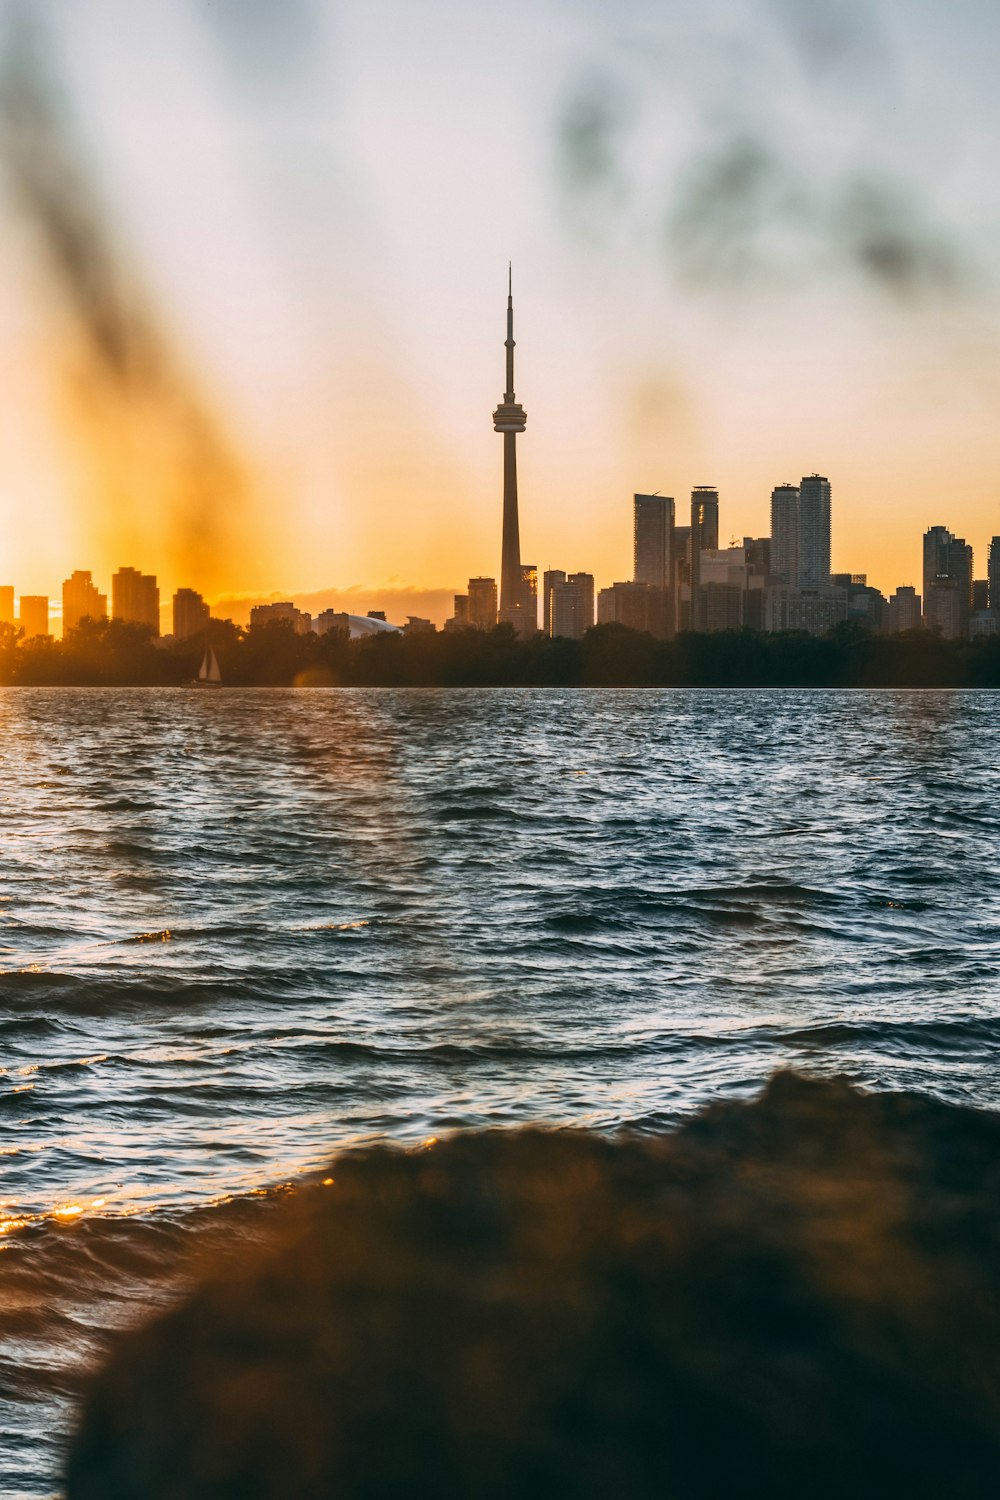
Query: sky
252, 284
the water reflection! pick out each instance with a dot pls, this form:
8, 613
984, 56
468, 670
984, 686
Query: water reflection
237, 932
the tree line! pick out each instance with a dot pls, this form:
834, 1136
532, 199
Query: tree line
118, 653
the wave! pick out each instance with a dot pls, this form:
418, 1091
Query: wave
956, 1034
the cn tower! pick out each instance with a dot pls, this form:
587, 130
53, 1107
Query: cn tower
509, 418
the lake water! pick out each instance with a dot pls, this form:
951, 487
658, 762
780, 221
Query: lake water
241, 929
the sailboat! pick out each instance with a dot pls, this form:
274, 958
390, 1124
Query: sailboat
209, 674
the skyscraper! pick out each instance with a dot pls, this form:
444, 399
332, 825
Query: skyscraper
191, 614
136, 597
550, 578
653, 536
509, 419
814, 532
993, 574
705, 504
947, 582
704, 536
529, 597
785, 534
81, 601
937, 540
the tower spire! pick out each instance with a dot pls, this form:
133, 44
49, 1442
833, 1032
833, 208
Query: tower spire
509, 419
509, 345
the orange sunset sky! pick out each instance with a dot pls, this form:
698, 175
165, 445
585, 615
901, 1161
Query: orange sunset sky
252, 287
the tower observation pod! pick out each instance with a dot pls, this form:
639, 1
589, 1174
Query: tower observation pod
518, 605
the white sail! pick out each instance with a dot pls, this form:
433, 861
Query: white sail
209, 671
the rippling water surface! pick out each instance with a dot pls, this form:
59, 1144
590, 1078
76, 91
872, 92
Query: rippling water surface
240, 929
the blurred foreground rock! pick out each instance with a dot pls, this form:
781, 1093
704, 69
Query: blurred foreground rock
796, 1296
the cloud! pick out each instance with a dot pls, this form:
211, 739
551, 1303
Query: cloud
269, 45
766, 188
396, 599
593, 120
836, 36
744, 213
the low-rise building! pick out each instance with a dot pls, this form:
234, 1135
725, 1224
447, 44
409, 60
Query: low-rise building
984, 622
267, 614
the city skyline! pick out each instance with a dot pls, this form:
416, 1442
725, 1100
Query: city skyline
771, 583
681, 579
295, 324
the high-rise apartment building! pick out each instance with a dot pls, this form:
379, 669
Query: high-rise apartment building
7, 615
785, 534
705, 515
136, 597
482, 613
980, 594
81, 600
946, 608
653, 540
191, 614
947, 582
571, 607
550, 578
903, 611
704, 536
993, 573
814, 532
34, 619
528, 622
